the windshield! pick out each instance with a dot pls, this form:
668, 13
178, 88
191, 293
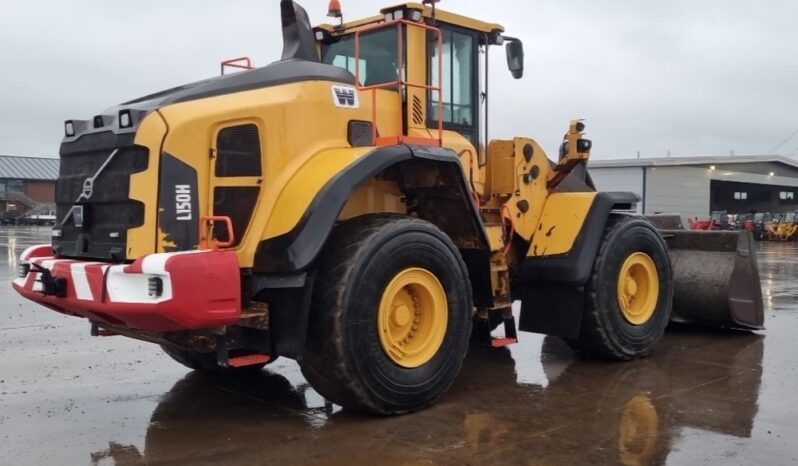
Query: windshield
790, 217
378, 55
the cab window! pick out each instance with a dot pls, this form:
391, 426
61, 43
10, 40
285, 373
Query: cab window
378, 55
459, 79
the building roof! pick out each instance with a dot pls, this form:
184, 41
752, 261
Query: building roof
28, 168
702, 160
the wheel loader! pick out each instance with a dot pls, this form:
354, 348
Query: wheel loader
783, 229
346, 207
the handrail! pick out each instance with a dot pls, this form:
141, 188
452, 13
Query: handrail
241, 62
400, 81
207, 241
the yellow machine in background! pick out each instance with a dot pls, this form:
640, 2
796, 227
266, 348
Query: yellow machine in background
346, 207
784, 229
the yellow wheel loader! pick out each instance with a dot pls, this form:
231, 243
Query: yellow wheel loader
784, 229
345, 206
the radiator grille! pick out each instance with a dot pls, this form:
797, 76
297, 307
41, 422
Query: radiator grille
238, 151
238, 203
109, 212
360, 133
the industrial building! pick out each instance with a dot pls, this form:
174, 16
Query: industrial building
697, 186
27, 183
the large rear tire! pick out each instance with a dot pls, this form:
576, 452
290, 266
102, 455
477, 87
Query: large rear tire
390, 316
629, 295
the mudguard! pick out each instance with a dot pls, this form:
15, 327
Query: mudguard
297, 249
552, 293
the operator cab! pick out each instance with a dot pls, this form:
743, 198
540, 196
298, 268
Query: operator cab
445, 87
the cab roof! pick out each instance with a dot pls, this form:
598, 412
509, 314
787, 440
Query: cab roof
440, 15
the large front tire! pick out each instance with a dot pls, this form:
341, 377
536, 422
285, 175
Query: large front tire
390, 316
629, 295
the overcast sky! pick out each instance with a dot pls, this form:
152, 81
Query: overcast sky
693, 77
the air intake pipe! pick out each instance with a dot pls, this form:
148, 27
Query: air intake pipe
298, 41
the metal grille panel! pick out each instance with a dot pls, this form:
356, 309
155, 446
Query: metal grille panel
238, 203
238, 151
360, 133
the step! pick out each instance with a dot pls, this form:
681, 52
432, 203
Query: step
249, 360
501, 342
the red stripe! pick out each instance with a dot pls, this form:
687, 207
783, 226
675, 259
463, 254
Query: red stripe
95, 275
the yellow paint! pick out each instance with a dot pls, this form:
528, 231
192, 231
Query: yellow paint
416, 74
449, 17
638, 288
374, 196
495, 235
527, 188
412, 317
349, 26
501, 167
144, 186
560, 223
303, 142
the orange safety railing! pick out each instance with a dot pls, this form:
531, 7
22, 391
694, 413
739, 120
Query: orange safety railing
401, 82
243, 63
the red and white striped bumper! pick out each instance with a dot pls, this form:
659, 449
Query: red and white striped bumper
200, 289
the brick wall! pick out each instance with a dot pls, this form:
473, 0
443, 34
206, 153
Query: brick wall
40, 191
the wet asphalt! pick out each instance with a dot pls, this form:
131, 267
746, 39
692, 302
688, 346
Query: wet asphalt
704, 397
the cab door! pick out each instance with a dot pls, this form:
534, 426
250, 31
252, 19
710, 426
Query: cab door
460, 80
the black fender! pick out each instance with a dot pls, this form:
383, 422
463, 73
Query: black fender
296, 250
552, 287
574, 267
432, 176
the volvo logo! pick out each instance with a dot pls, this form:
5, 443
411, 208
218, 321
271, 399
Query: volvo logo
88, 190
88, 187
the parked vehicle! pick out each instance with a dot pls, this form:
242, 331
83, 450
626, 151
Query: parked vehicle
783, 230
8, 218
37, 219
720, 220
760, 221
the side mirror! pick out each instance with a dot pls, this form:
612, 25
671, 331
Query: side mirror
515, 58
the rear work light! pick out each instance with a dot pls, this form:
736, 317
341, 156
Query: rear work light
125, 120
69, 128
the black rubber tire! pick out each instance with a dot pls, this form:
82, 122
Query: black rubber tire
206, 362
344, 360
605, 333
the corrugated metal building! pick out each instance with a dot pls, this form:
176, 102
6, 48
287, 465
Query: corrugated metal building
697, 186
27, 182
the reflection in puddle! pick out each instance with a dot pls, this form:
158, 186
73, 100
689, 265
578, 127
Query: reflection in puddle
632, 413
637, 431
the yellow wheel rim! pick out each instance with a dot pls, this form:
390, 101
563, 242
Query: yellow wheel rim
638, 288
412, 317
